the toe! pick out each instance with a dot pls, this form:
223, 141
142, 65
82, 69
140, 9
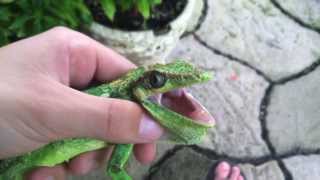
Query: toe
222, 171
235, 173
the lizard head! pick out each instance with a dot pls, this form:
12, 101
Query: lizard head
161, 92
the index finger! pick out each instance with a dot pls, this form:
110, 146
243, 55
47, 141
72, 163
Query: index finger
88, 59
108, 64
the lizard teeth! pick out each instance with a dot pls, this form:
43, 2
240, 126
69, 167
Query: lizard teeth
176, 92
156, 98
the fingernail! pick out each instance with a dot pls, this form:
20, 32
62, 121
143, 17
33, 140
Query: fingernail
49, 178
149, 129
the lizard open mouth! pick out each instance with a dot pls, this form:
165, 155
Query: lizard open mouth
182, 102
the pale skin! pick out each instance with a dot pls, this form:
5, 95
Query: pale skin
39, 104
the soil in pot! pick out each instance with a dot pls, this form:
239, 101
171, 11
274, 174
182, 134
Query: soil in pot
131, 20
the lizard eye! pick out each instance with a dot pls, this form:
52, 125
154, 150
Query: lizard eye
156, 79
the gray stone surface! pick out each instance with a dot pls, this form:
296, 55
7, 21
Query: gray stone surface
189, 165
233, 98
294, 113
267, 171
184, 165
307, 10
304, 167
258, 33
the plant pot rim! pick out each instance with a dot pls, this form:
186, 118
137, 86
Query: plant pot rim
189, 5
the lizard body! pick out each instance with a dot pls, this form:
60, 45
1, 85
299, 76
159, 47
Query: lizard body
139, 85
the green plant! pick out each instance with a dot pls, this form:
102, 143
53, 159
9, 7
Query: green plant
23, 18
144, 7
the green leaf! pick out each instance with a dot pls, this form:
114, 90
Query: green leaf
21, 32
155, 2
23, 18
19, 22
6, 1
126, 4
24, 6
84, 13
37, 28
50, 22
4, 14
144, 8
109, 8
4, 34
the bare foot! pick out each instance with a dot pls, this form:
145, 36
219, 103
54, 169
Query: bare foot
225, 172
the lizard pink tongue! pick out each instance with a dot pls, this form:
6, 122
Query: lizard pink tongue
185, 104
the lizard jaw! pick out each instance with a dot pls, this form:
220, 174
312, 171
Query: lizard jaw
182, 102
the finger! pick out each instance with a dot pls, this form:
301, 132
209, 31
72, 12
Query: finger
46, 173
87, 58
96, 60
87, 162
70, 113
145, 153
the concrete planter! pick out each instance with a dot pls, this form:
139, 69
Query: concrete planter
146, 47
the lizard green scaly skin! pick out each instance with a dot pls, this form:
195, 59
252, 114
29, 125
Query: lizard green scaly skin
137, 85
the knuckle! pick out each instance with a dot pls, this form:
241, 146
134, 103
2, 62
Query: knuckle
66, 43
60, 30
121, 116
111, 124
61, 36
69, 40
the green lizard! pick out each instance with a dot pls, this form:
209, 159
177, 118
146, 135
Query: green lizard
142, 85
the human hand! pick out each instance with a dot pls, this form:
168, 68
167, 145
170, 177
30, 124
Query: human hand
38, 106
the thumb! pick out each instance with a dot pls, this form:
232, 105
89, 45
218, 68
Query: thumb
72, 113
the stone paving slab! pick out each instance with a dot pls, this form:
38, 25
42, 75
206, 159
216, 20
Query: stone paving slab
233, 97
260, 34
308, 11
304, 167
294, 113
267, 171
186, 164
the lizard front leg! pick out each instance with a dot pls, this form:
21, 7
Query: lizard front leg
119, 158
